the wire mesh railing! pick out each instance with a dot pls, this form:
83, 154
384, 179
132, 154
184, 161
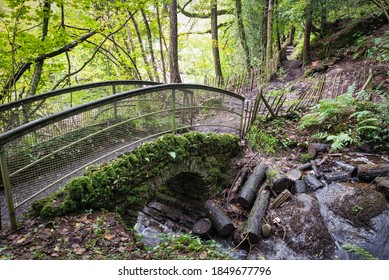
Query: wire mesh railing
22, 111
40, 156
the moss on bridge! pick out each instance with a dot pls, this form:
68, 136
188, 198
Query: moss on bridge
126, 184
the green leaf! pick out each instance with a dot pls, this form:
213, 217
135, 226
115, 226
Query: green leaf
173, 155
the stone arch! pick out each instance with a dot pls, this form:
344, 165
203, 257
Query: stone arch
128, 183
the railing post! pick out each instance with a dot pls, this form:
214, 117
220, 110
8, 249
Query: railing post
7, 188
115, 104
242, 116
174, 111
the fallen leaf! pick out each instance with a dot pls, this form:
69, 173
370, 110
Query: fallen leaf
79, 251
54, 255
108, 236
122, 249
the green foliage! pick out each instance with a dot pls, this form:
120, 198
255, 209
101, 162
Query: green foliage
268, 136
358, 251
380, 48
347, 120
187, 246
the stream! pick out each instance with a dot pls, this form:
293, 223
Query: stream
342, 220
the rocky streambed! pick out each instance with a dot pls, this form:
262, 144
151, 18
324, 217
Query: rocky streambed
334, 207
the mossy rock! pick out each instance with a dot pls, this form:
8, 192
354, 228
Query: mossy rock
127, 183
360, 206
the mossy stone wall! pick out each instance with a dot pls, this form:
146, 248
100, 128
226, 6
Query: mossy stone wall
126, 184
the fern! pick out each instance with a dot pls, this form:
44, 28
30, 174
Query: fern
360, 115
320, 135
339, 141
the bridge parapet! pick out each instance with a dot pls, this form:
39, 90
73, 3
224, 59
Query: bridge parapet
42, 155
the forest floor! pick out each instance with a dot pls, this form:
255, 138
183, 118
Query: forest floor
102, 235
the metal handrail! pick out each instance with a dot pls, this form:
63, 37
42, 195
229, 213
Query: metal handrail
43, 96
37, 124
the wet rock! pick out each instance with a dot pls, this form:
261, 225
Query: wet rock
300, 232
352, 216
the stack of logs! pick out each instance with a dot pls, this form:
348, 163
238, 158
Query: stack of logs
267, 181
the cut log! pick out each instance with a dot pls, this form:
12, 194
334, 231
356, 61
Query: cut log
238, 183
294, 174
347, 167
278, 182
284, 196
337, 177
220, 221
305, 166
299, 187
203, 228
315, 148
313, 182
368, 172
248, 192
253, 227
382, 185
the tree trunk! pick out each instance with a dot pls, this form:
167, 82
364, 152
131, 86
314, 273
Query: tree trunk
278, 182
150, 43
253, 228
203, 228
215, 44
264, 29
220, 221
240, 179
242, 33
161, 46
307, 34
36, 77
249, 190
173, 45
368, 172
142, 48
315, 148
269, 36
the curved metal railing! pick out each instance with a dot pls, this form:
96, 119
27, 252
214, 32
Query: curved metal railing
42, 155
24, 110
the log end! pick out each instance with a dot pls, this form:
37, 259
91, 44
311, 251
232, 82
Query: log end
203, 228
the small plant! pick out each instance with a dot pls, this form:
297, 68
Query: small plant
358, 251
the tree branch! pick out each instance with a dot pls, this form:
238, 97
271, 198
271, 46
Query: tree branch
199, 15
93, 55
25, 66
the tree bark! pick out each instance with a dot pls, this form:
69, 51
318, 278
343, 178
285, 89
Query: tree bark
242, 33
368, 172
161, 46
307, 34
238, 183
141, 45
249, 190
220, 221
36, 77
215, 44
269, 36
150, 43
173, 44
253, 228
203, 228
315, 148
278, 182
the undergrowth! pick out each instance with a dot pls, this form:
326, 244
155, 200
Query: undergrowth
350, 119
269, 136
